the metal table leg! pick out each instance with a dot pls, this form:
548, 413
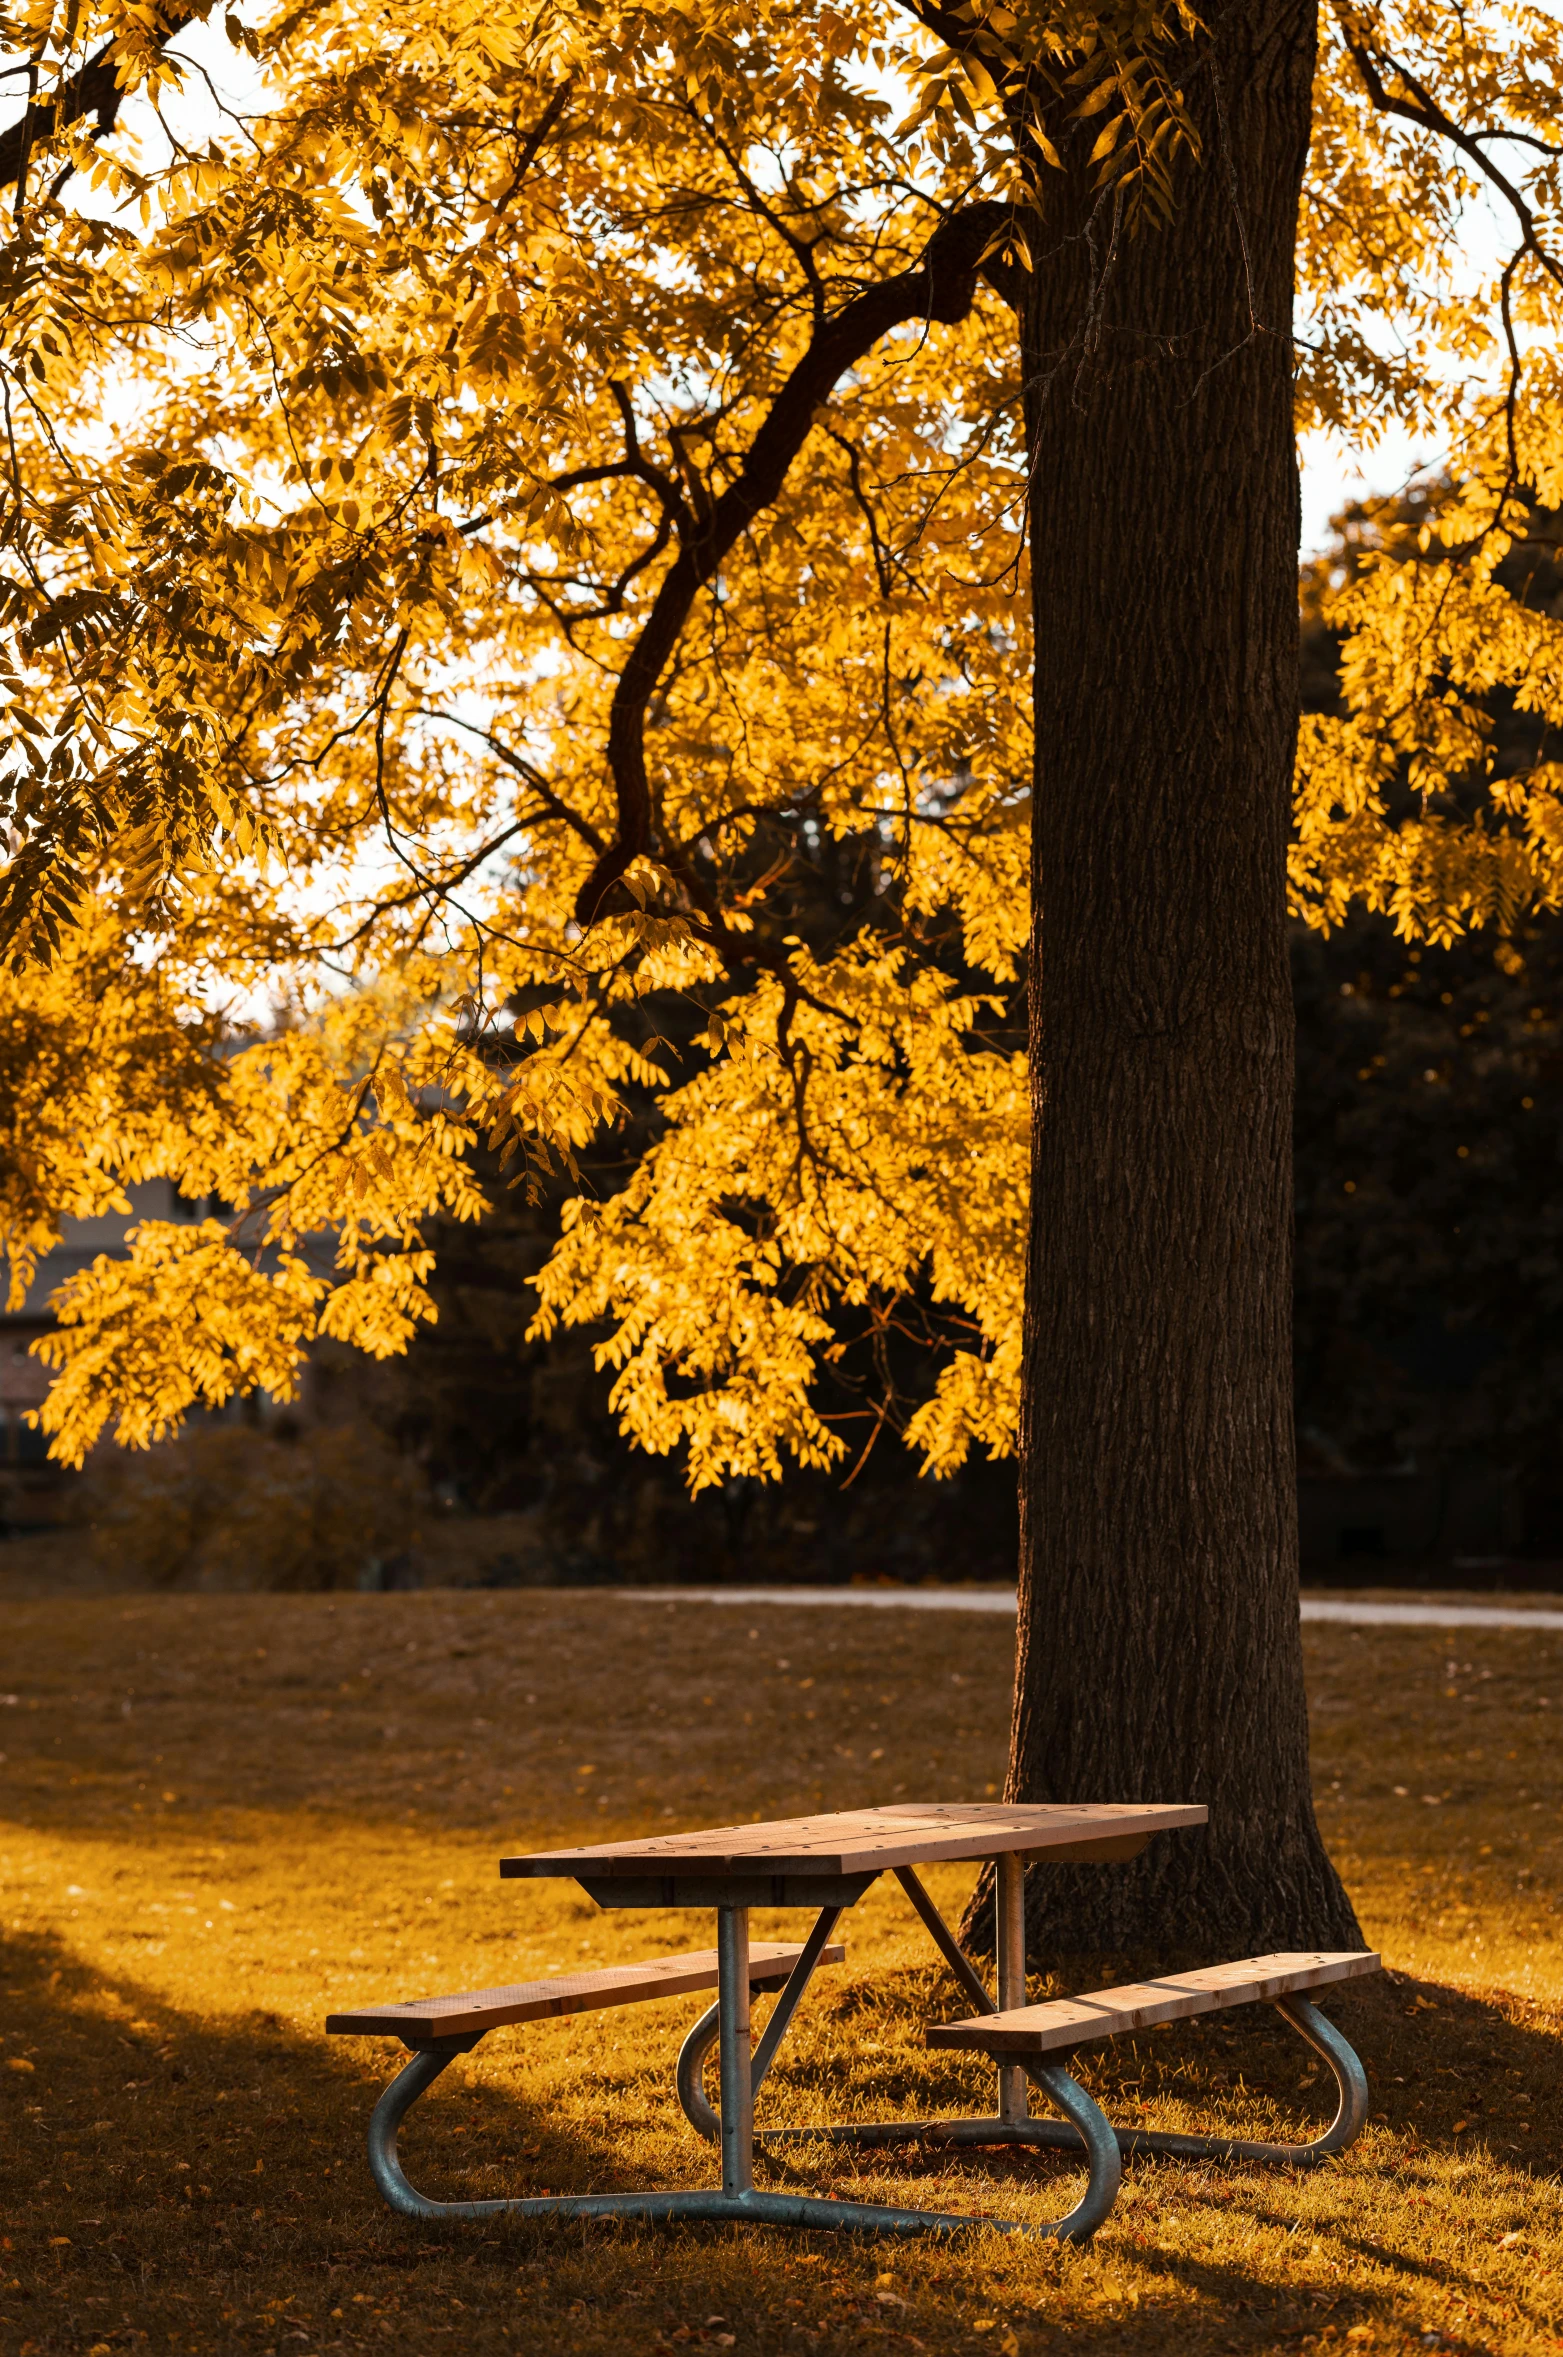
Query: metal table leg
1009, 1906
736, 2062
697, 2045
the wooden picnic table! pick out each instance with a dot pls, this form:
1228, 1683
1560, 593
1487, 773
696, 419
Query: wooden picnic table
826, 1863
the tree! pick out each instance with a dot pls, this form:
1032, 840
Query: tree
301, 686
577, 470
1158, 1645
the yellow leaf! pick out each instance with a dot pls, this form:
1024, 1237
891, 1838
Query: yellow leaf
1095, 100
1107, 139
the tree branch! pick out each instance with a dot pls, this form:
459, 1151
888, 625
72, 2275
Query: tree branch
551, 802
532, 141
94, 90
942, 286
1424, 110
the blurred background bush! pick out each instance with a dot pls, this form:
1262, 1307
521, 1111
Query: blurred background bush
231, 1506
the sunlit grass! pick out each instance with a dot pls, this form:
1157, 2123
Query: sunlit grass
223, 1816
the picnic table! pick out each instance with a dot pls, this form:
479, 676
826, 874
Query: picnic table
825, 1864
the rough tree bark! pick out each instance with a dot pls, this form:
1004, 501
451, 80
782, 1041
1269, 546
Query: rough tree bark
1159, 1649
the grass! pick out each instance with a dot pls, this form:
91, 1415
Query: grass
222, 1815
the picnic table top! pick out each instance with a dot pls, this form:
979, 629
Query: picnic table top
862, 1841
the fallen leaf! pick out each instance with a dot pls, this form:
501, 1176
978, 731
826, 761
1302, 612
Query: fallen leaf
18, 2062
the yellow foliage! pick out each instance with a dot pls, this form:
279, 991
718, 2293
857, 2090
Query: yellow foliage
550, 573
887, 1145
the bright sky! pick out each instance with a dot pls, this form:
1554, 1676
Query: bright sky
1331, 476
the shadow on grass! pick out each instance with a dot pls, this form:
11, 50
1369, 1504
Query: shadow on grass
202, 2185
236, 2123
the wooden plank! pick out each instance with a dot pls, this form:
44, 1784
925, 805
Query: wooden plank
566, 1992
1140, 2005
864, 1840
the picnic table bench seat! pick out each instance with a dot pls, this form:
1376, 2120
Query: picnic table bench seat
1141, 2005
1028, 2034
469, 2015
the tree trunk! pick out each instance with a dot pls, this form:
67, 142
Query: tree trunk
1159, 1650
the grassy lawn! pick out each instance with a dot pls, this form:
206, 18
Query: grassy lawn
222, 1815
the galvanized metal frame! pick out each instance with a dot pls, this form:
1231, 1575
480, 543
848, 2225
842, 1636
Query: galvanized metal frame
1084, 2128
1011, 2124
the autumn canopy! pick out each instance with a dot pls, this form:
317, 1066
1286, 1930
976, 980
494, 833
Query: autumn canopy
510, 511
